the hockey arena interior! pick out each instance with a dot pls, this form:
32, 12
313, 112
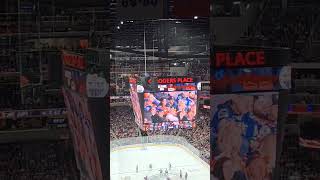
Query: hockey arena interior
51, 49
162, 64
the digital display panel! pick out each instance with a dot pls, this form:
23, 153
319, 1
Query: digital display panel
164, 84
82, 132
247, 56
163, 110
237, 59
135, 102
243, 135
251, 79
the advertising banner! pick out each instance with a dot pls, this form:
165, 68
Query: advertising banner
86, 97
246, 125
244, 135
86, 74
251, 79
82, 131
136, 105
169, 84
96, 86
73, 60
75, 80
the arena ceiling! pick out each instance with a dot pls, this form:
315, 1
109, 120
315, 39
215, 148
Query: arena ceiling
183, 38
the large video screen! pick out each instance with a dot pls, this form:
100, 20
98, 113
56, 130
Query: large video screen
82, 132
163, 110
135, 102
243, 135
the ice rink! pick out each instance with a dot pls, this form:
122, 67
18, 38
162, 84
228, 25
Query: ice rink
125, 159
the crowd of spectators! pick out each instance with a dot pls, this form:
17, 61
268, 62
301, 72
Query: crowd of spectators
199, 137
120, 100
8, 64
201, 70
64, 22
306, 80
304, 99
286, 28
30, 123
37, 161
123, 125
297, 162
13, 102
10, 97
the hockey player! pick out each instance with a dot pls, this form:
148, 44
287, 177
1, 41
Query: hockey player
256, 127
224, 111
137, 170
169, 166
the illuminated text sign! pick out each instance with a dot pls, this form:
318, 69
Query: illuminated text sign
251, 58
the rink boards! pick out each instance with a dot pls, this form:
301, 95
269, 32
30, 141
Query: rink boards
124, 160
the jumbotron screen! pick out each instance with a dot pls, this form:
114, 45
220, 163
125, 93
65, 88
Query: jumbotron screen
165, 110
135, 102
161, 103
81, 126
244, 135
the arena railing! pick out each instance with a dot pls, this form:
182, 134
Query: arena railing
160, 139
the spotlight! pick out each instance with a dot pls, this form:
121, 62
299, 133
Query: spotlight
195, 17
118, 27
121, 22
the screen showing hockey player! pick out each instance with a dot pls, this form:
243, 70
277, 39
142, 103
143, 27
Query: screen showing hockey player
243, 135
163, 110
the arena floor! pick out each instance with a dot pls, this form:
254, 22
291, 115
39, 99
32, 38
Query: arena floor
125, 159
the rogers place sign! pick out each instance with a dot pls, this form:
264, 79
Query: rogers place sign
238, 59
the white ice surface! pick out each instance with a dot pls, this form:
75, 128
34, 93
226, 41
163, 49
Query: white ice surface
125, 159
